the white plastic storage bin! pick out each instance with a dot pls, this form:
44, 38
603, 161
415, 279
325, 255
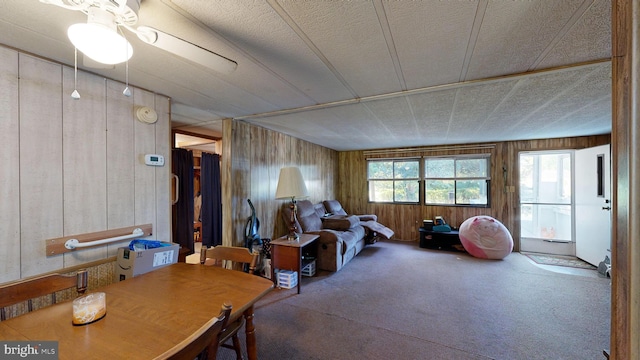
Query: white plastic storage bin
309, 269
287, 279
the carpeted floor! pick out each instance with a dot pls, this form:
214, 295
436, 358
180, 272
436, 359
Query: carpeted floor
396, 300
559, 260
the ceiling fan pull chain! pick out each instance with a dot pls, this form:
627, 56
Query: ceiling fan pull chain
75, 94
126, 92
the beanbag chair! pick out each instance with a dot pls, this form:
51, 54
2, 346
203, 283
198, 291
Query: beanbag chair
485, 237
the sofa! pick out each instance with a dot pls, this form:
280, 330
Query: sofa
341, 235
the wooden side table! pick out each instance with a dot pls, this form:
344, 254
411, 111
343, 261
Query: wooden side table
287, 255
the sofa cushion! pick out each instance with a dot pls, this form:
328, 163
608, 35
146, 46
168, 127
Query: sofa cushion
319, 209
334, 207
308, 217
351, 237
340, 222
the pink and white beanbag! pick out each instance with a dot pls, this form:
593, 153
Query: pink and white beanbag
485, 237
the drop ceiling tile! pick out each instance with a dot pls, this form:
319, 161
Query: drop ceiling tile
529, 95
347, 33
269, 47
589, 39
431, 39
514, 33
475, 103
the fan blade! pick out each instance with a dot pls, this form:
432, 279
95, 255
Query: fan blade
187, 50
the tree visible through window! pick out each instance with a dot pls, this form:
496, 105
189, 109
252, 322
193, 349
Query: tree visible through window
394, 180
457, 181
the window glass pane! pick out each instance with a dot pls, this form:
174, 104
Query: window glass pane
381, 191
545, 178
471, 192
406, 169
466, 168
407, 191
440, 191
380, 170
551, 222
526, 178
439, 168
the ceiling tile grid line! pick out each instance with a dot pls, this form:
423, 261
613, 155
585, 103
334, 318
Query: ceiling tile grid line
473, 38
303, 36
193, 18
577, 15
436, 88
376, 73
558, 95
388, 36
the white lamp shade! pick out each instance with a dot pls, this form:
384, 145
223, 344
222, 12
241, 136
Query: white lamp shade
291, 184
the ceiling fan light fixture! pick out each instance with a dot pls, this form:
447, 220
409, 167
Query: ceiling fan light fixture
98, 38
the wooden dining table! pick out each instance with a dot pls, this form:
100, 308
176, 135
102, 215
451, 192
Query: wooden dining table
146, 315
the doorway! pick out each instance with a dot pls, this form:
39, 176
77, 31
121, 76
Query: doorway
195, 169
546, 202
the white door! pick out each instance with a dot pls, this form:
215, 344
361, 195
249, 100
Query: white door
593, 203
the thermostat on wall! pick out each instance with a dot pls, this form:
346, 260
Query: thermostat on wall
154, 160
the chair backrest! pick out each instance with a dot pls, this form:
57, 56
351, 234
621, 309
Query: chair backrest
205, 338
29, 289
229, 253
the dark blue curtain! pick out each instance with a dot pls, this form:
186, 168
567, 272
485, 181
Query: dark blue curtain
182, 165
211, 190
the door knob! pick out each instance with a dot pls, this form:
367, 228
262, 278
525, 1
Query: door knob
606, 208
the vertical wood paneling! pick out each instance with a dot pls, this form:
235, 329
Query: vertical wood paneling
226, 178
69, 166
162, 228
281, 157
240, 181
10, 169
84, 170
145, 180
41, 199
625, 247
120, 161
406, 219
255, 175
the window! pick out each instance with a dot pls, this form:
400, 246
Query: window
461, 180
394, 181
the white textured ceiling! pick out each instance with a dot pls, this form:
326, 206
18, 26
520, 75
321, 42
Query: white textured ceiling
354, 75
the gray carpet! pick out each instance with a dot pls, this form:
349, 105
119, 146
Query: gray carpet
396, 300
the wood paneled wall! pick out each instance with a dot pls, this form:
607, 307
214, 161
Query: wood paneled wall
625, 261
406, 219
74, 166
253, 158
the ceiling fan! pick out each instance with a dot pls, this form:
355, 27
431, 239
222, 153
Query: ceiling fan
102, 39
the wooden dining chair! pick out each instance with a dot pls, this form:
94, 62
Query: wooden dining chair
47, 285
237, 255
203, 344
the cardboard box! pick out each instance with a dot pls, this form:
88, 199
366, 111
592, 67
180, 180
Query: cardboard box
132, 263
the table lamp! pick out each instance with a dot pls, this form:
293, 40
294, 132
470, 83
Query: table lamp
291, 186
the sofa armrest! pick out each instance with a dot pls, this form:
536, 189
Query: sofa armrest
340, 222
371, 217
